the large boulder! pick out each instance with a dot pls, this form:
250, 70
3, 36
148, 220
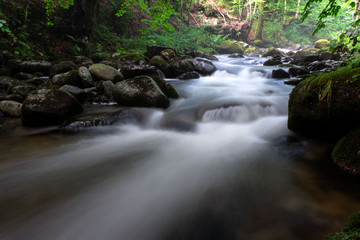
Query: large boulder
280, 73
141, 91
23, 90
78, 93
48, 107
346, 153
229, 47
322, 43
169, 55
104, 72
10, 108
326, 106
297, 71
165, 87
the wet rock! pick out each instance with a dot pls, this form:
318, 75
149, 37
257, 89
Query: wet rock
169, 55
252, 51
86, 78
78, 93
203, 66
11, 108
30, 66
346, 153
141, 91
36, 81
122, 116
274, 61
272, 52
160, 63
236, 55
200, 54
311, 58
83, 61
280, 73
153, 50
326, 106
165, 87
23, 90
23, 76
189, 75
131, 71
316, 66
105, 88
229, 47
296, 71
7, 83
48, 107
300, 57
12, 97
104, 72
323, 56
184, 65
69, 78
322, 43
293, 82
62, 67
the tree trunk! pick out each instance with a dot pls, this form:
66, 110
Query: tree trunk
298, 9
285, 3
260, 23
91, 11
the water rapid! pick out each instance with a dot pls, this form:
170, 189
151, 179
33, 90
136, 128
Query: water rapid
219, 163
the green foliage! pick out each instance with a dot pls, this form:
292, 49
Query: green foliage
350, 232
186, 39
5, 28
51, 6
158, 12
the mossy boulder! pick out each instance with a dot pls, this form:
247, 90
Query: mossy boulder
259, 43
48, 107
160, 63
346, 153
154, 50
104, 72
69, 78
322, 43
141, 91
132, 70
197, 53
229, 47
165, 87
169, 55
252, 51
326, 106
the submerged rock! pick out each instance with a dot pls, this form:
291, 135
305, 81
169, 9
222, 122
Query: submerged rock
141, 91
48, 107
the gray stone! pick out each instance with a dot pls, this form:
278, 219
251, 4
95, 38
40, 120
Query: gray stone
86, 78
104, 72
10, 108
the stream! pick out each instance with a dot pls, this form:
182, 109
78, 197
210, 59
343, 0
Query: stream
219, 164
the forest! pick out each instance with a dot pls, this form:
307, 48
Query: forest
180, 119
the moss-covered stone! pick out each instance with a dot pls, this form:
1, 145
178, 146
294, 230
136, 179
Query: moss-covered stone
322, 43
346, 153
228, 47
161, 64
101, 71
326, 106
70, 78
252, 51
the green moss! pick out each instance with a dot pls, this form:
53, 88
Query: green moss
321, 43
228, 47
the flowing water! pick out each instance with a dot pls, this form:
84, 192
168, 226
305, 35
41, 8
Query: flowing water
220, 163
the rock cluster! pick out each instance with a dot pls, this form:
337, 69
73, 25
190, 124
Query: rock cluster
130, 81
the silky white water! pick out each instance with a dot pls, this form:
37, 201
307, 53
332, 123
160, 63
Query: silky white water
215, 165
